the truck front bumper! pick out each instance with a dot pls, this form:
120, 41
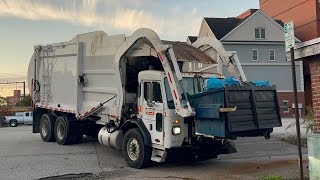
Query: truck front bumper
197, 151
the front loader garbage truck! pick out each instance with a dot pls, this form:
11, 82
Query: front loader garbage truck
133, 94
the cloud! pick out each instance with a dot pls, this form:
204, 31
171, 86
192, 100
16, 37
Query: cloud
84, 13
119, 15
38, 10
134, 19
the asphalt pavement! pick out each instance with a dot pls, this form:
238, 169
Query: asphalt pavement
23, 155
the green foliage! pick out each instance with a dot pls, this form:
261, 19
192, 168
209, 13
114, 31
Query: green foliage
3, 102
25, 102
307, 122
270, 177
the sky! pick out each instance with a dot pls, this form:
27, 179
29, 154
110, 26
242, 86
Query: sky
25, 23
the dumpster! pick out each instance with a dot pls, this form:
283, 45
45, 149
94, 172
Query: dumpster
256, 112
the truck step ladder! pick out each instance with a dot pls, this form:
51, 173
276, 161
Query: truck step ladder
45, 83
158, 155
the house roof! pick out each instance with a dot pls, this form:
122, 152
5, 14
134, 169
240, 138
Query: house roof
222, 26
185, 52
192, 38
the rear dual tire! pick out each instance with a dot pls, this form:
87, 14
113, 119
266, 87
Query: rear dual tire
47, 122
60, 130
66, 132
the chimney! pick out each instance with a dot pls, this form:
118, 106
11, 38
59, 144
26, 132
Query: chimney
17, 93
247, 13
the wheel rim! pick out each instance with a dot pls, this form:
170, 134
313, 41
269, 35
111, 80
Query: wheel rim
60, 130
45, 128
133, 149
13, 123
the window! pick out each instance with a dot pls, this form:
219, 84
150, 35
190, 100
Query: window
263, 33
285, 106
272, 55
254, 54
152, 92
260, 33
27, 114
191, 87
199, 65
159, 122
190, 66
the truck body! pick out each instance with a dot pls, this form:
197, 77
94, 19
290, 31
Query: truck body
19, 118
130, 93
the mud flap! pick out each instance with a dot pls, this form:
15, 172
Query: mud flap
37, 114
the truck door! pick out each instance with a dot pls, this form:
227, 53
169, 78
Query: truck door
152, 110
25, 117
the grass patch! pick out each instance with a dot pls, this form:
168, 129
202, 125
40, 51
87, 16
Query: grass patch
292, 139
270, 177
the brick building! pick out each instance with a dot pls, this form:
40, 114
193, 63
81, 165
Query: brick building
304, 13
306, 17
310, 52
15, 98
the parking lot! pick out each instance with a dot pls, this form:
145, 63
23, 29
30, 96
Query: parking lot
25, 156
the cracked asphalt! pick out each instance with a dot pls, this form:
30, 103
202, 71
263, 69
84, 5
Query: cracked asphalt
23, 155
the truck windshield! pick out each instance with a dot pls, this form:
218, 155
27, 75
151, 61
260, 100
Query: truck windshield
192, 86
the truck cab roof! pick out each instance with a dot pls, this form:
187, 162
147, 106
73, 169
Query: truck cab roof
150, 75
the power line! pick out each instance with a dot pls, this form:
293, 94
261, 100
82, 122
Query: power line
19, 82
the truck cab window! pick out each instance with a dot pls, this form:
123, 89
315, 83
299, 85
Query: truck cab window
27, 114
152, 92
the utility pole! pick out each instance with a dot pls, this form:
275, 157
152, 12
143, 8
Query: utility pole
19, 82
290, 43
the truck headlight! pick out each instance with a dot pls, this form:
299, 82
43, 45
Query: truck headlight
176, 130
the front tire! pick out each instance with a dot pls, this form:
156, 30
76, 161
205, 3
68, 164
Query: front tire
13, 123
135, 152
47, 128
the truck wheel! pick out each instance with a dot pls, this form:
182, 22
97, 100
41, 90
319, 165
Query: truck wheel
135, 152
13, 123
63, 132
47, 128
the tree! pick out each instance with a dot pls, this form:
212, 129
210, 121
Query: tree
25, 102
3, 102
3, 105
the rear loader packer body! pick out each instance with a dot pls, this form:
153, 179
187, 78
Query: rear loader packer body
129, 92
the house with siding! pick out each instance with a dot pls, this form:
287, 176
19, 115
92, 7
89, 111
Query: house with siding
259, 43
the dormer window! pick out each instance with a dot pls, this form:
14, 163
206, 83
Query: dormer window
260, 33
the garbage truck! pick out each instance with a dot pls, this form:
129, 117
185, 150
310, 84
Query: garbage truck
136, 94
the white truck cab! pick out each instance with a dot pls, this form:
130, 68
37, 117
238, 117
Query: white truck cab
157, 109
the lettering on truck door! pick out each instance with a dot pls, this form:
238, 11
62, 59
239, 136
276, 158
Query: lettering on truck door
152, 110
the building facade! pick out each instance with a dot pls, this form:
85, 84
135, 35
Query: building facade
259, 43
12, 100
309, 51
306, 17
304, 13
